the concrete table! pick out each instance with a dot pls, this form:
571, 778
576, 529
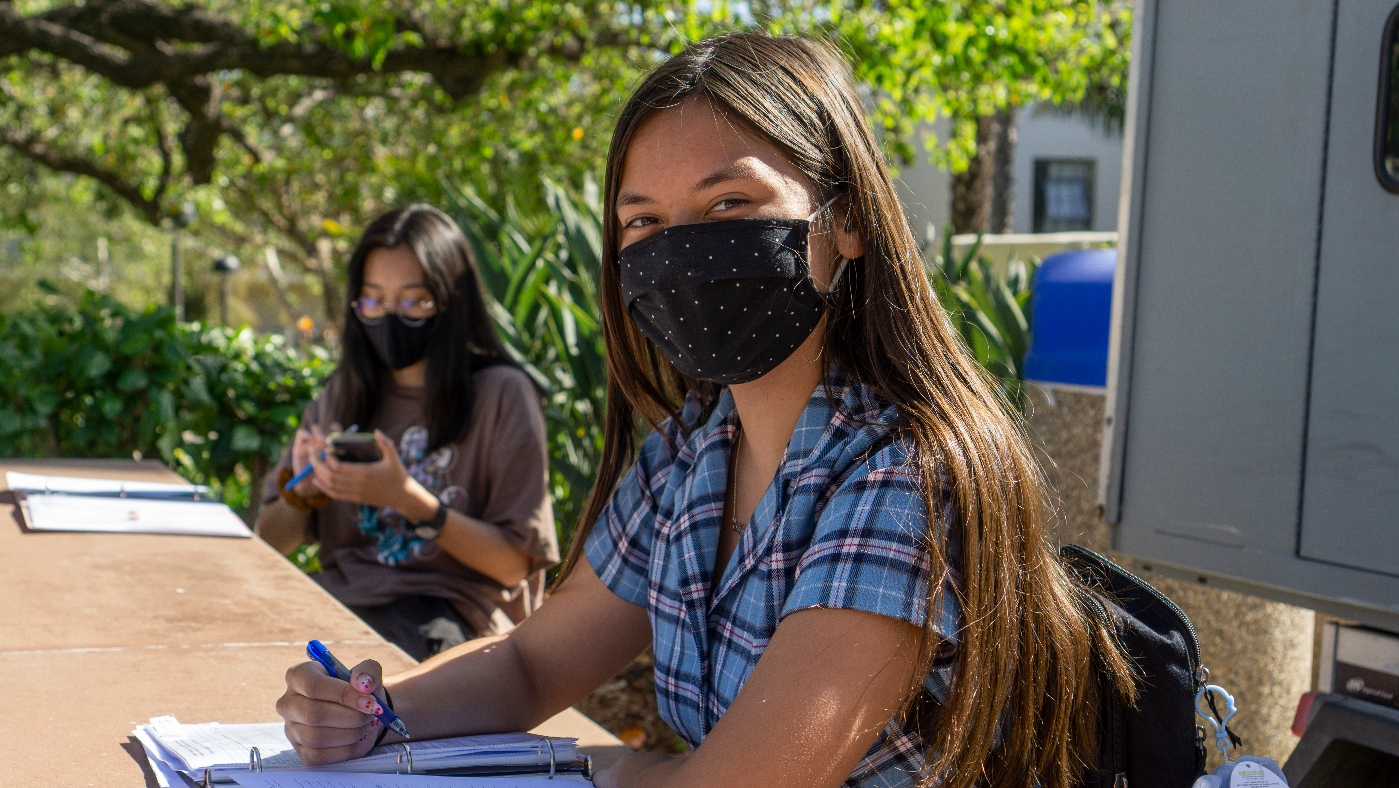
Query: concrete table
101, 632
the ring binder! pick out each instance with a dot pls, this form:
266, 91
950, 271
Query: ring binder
588, 768
551, 758
254, 760
404, 749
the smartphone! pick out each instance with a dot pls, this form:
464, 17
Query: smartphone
355, 447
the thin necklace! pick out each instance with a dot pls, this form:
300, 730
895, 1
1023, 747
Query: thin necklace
737, 527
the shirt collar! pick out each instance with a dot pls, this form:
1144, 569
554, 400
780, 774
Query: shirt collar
850, 406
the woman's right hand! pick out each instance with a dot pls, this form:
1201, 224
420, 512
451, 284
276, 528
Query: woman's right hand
301, 447
329, 720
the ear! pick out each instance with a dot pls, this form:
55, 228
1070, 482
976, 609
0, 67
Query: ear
850, 242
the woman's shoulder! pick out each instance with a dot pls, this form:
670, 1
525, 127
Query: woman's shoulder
503, 376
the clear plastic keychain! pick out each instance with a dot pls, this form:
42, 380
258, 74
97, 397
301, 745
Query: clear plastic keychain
1249, 771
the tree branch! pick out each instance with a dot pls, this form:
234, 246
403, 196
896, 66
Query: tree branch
31, 148
459, 71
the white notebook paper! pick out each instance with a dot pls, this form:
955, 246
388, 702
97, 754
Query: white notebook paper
33, 482
223, 750
69, 503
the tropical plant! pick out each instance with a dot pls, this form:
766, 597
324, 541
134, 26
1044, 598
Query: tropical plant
539, 271
991, 311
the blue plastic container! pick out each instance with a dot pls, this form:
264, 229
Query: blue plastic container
1072, 317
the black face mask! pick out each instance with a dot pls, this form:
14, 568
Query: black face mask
726, 301
399, 345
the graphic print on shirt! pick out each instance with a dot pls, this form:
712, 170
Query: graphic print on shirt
396, 544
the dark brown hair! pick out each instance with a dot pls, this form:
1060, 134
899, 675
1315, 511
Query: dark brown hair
462, 342
1026, 649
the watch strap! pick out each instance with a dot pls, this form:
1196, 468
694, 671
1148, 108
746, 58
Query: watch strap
435, 523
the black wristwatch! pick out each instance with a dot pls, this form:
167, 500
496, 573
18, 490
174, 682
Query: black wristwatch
431, 529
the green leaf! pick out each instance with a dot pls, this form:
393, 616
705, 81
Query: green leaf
246, 438
132, 379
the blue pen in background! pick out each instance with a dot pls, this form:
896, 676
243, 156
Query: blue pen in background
297, 479
318, 652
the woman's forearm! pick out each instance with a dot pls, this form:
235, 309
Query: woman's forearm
281, 526
580, 637
489, 690
475, 543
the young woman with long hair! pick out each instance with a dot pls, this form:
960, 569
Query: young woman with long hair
447, 536
833, 536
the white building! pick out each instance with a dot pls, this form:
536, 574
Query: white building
1066, 176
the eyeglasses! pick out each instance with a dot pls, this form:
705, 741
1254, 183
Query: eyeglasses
410, 311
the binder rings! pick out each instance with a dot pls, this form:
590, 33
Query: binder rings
211, 753
580, 767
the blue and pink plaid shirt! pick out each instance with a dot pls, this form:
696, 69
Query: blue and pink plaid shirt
843, 525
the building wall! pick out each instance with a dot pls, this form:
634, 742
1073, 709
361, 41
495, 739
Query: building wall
926, 190
1055, 135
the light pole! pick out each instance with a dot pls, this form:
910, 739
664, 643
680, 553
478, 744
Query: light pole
179, 221
224, 265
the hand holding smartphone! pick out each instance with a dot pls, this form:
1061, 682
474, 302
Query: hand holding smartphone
354, 447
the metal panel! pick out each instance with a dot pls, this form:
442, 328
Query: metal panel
1211, 371
1351, 504
1226, 244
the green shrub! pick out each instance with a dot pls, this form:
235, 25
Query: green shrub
96, 378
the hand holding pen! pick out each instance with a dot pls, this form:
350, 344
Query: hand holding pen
335, 668
331, 719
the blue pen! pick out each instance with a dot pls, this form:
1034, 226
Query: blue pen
318, 652
300, 477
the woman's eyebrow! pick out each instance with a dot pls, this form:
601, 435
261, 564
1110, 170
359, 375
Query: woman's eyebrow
739, 170
632, 198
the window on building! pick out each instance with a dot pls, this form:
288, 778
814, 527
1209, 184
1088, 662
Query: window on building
1063, 195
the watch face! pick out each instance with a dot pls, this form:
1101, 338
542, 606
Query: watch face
427, 532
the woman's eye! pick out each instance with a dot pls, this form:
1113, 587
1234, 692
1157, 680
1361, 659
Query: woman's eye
638, 222
728, 204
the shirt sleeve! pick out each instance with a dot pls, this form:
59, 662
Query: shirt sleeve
518, 500
870, 549
620, 543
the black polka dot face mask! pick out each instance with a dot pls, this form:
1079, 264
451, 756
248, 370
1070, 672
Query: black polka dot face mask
725, 301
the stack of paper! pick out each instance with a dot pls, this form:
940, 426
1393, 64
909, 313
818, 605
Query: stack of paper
67, 503
223, 752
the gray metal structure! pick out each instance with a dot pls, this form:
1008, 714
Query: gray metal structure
1252, 435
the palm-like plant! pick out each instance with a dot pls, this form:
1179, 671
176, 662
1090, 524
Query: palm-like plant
539, 276
991, 312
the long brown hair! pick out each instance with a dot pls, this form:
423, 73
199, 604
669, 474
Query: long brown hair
1025, 654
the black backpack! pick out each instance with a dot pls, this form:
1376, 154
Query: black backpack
1155, 743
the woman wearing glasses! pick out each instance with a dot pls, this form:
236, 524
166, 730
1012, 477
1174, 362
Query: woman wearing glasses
447, 535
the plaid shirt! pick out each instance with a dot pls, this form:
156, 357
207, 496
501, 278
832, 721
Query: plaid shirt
843, 525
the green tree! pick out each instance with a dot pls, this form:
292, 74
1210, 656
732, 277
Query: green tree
976, 62
289, 123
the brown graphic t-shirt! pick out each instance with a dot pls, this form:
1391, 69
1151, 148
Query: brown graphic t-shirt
497, 473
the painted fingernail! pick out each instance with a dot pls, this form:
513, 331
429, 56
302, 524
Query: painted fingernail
365, 682
374, 723
367, 704
378, 709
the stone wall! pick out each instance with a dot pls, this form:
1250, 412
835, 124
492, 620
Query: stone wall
1260, 651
